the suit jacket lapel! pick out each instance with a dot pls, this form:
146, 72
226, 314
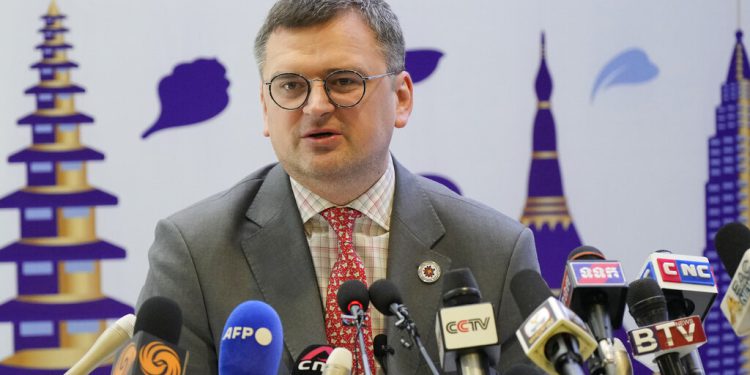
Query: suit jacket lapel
279, 257
415, 229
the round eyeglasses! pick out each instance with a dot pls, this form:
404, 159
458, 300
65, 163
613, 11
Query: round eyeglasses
344, 88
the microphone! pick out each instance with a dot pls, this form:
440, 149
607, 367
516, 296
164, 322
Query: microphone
465, 326
387, 299
552, 336
339, 362
381, 349
594, 288
689, 288
104, 346
252, 341
353, 301
153, 348
312, 360
732, 242
659, 339
686, 280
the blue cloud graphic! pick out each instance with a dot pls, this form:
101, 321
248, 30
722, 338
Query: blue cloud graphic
421, 63
194, 92
631, 66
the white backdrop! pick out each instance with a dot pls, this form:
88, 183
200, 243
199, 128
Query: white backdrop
634, 161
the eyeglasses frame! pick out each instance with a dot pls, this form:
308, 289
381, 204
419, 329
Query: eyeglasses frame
325, 87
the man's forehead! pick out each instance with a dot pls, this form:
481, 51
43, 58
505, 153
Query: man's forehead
344, 42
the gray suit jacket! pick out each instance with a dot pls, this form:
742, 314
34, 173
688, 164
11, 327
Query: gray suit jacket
248, 243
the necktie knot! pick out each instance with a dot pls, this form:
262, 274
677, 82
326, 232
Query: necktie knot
341, 219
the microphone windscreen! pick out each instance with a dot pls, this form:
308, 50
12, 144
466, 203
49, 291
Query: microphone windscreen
586, 253
341, 358
352, 291
731, 242
460, 288
252, 341
160, 317
383, 293
529, 290
646, 302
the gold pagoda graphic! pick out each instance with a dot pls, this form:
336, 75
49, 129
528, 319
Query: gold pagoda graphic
59, 310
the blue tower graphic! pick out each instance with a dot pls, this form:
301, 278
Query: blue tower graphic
546, 211
727, 200
59, 310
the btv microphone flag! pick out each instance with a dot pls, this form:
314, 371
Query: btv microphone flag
680, 336
252, 341
690, 276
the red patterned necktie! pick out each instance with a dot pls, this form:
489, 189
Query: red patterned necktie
348, 266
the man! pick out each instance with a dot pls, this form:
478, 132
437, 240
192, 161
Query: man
334, 89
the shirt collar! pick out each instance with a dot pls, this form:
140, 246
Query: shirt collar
376, 203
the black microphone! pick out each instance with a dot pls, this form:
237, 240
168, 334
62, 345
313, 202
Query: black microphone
466, 326
153, 347
648, 306
552, 336
595, 289
382, 350
353, 300
387, 299
732, 243
689, 289
312, 360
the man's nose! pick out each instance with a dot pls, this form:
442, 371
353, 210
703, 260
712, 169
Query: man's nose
318, 102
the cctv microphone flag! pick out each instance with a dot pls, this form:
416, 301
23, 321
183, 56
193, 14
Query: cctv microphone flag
465, 327
689, 275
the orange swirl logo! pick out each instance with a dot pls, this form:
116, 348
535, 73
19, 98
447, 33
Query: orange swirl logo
125, 361
159, 359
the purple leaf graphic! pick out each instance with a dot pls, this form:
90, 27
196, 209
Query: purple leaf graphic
421, 63
443, 180
194, 92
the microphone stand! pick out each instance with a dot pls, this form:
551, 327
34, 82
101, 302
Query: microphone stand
404, 322
356, 319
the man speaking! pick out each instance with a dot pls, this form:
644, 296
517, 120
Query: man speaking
337, 206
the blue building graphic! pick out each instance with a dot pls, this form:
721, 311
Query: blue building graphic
727, 200
59, 310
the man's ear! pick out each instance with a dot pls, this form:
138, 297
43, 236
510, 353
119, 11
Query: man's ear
264, 107
404, 98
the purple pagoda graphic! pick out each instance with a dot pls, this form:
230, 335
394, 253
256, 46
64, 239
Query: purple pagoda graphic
727, 200
60, 309
546, 211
